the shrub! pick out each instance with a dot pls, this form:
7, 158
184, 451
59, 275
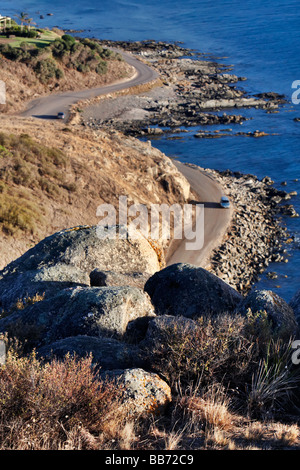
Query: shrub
67, 38
21, 32
226, 349
83, 68
214, 349
58, 47
273, 383
27, 165
59, 74
15, 216
42, 403
101, 68
84, 56
46, 70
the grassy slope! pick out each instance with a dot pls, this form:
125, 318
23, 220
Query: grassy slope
57, 178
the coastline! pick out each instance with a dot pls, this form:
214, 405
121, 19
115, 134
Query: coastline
194, 90
188, 91
253, 236
170, 348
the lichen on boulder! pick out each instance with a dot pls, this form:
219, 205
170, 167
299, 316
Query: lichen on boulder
66, 258
144, 392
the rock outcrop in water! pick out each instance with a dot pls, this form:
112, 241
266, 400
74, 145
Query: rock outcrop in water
192, 93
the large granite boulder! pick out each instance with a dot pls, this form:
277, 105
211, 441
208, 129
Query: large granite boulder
144, 392
185, 290
92, 311
67, 258
21, 287
107, 353
100, 278
295, 304
280, 315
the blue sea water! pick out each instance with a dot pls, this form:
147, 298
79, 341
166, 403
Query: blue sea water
262, 42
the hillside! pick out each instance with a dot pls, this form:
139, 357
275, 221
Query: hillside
53, 177
104, 346
54, 62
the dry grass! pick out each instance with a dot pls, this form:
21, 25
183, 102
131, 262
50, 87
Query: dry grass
28, 85
208, 422
127, 436
97, 167
56, 405
64, 405
212, 410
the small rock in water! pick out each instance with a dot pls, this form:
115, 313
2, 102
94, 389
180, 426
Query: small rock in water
272, 275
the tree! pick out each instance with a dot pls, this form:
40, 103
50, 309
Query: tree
29, 22
23, 18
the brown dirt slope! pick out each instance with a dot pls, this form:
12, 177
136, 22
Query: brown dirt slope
22, 84
54, 176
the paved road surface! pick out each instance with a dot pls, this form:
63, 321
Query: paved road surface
216, 219
209, 191
48, 107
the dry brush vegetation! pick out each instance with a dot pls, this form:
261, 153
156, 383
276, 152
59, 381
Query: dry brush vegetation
64, 64
59, 177
232, 389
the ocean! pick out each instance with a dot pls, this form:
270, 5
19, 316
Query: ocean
261, 40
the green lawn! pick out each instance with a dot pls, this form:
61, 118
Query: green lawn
46, 38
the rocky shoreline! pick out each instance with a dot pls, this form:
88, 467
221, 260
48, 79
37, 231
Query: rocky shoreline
194, 88
257, 235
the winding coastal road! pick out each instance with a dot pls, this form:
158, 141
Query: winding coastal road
216, 219
48, 107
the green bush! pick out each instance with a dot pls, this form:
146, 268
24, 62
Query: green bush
83, 55
101, 68
67, 38
83, 68
46, 70
21, 32
15, 217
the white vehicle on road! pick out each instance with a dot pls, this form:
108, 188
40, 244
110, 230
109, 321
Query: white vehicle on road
225, 202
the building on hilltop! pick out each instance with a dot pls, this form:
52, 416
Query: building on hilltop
5, 22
